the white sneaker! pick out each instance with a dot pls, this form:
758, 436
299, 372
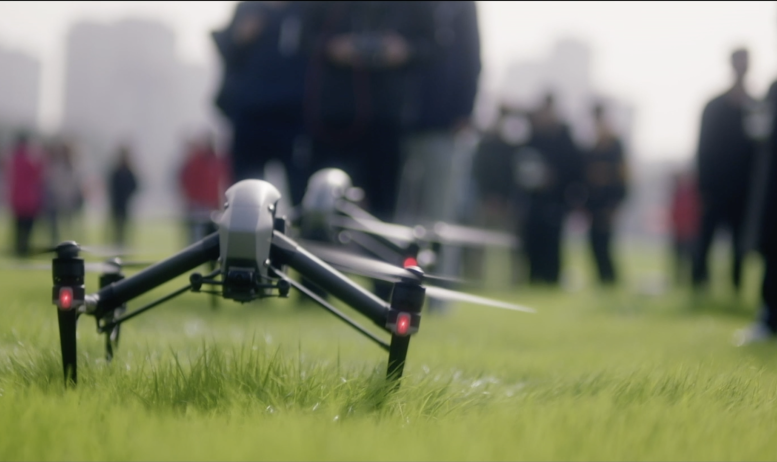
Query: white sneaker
756, 333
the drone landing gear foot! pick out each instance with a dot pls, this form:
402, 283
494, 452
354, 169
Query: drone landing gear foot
397, 356
67, 339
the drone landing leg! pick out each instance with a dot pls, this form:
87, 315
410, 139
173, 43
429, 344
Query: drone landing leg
67, 340
313, 296
214, 298
112, 337
397, 356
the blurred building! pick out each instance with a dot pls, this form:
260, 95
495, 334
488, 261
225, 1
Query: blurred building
566, 71
19, 90
124, 81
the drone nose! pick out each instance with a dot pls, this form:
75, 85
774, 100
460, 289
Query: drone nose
409, 261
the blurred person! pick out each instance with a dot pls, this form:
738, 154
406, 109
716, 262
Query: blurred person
262, 89
122, 185
557, 164
724, 163
499, 200
605, 181
64, 192
203, 179
438, 139
362, 54
684, 211
765, 327
441, 102
24, 179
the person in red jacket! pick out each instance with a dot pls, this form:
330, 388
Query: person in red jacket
685, 215
204, 177
24, 171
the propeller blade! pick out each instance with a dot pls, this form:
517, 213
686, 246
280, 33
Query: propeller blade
365, 266
28, 267
357, 264
98, 251
444, 233
452, 295
466, 235
89, 267
388, 230
108, 251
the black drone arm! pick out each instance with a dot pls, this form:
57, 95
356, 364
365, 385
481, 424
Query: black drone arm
120, 292
285, 251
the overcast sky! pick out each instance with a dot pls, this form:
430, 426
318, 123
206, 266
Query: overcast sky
666, 58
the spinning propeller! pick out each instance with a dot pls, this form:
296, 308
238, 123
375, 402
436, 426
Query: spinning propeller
375, 269
356, 219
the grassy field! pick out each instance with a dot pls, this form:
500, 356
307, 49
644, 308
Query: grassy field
596, 374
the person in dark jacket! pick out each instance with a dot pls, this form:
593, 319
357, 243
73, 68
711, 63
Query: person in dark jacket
558, 182
499, 197
438, 143
122, 186
765, 196
362, 53
724, 164
440, 102
262, 89
605, 181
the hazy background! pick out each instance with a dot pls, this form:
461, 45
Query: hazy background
658, 62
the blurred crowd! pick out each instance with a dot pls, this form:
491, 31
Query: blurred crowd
385, 91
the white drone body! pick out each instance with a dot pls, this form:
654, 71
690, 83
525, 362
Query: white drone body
325, 188
246, 230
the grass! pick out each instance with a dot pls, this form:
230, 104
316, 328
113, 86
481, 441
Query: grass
596, 374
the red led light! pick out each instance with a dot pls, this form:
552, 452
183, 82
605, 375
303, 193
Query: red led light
65, 298
403, 323
409, 261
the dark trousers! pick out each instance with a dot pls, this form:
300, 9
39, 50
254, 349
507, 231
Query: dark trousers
712, 219
260, 137
119, 228
769, 292
369, 155
543, 228
600, 236
682, 259
23, 234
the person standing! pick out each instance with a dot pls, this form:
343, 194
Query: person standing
122, 186
262, 89
605, 181
64, 194
765, 198
203, 179
684, 220
558, 165
362, 55
438, 143
441, 100
724, 163
499, 196
25, 174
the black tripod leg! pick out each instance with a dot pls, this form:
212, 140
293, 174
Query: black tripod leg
214, 297
397, 355
112, 337
67, 340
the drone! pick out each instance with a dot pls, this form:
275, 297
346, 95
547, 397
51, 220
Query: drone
329, 213
253, 254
